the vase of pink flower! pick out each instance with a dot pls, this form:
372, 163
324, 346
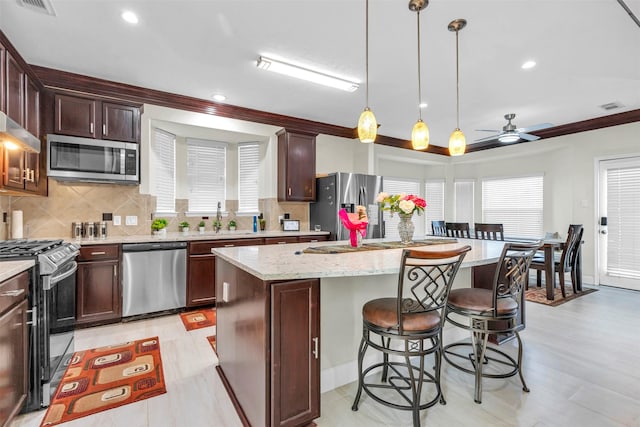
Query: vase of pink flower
404, 205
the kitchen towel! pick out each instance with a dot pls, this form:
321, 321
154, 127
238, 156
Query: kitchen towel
16, 225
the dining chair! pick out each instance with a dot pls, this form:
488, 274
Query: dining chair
487, 310
489, 231
408, 328
458, 229
565, 262
438, 228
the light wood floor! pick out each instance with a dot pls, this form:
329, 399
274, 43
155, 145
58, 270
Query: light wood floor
581, 363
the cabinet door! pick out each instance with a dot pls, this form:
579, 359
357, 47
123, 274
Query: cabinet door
15, 90
120, 122
295, 350
31, 107
201, 280
14, 169
75, 116
98, 292
296, 167
13, 363
3, 94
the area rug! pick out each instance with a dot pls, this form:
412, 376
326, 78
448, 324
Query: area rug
105, 378
199, 318
539, 295
212, 342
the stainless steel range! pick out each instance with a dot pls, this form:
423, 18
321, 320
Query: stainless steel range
53, 307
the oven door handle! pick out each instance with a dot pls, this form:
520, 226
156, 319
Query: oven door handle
50, 281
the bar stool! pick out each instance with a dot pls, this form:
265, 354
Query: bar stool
491, 311
409, 327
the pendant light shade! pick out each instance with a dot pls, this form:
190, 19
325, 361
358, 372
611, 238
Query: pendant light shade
457, 141
420, 132
420, 136
367, 123
367, 126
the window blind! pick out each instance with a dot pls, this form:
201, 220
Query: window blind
623, 211
434, 192
397, 186
515, 202
464, 201
164, 149
248, 164
206, 172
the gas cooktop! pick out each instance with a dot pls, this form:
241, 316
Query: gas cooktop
25, 248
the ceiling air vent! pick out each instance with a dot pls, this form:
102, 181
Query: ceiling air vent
42, 6
611, 106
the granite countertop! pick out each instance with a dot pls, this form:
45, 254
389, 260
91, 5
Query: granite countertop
194, 235
288, 262
9, 269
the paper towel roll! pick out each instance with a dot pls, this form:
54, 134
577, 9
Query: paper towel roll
16, 225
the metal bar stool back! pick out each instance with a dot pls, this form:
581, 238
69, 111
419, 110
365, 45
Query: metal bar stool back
407, 329
491, 311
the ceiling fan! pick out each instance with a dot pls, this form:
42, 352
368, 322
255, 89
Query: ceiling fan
512, 134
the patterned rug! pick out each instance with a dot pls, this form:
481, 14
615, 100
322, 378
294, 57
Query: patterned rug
539, 295
212, 342
199, 318
105, 378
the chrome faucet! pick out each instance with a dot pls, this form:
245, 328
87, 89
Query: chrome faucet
218, 224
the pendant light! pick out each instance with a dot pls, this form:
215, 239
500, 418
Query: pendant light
457, 140
367, 124
420, 132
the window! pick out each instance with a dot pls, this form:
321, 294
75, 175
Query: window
248, 163
206, 172
516, 203
464, 201
396, 186
164, 149
434, 192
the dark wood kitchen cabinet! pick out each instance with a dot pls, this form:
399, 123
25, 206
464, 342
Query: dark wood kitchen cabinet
93, 118
296, 166
14, 88
3, 95
13, 336
98, 288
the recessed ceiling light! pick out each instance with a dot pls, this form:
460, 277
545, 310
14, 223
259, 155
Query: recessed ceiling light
528, 64
219, 97
130, 17
423, 105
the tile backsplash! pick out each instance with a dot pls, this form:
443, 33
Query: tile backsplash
52, 216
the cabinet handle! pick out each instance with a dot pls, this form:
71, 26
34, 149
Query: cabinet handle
282, 243
33, 175
25, 174
313, 241
289, 191
315, 347
104, 129
91, 128
229, 246
13, 293
115, 271
98, 253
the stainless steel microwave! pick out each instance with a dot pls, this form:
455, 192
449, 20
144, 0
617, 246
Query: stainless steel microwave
72, 158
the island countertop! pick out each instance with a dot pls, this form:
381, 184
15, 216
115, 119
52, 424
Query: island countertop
289, 262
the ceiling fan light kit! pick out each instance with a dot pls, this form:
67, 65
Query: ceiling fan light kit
367, 124
457, 140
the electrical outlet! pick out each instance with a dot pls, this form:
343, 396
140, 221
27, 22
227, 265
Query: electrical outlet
131, 220
117, 220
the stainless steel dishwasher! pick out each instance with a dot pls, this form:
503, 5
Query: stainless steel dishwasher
154, 277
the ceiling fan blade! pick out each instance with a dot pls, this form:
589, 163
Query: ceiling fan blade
529, 137
487, 130
488, 138
535, 127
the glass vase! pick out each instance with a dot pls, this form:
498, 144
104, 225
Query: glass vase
405, 228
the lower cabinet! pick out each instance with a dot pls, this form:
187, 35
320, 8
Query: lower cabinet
13, 346
98, 292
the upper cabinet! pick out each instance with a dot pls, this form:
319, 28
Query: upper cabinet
296, 166
93, 118
14, 89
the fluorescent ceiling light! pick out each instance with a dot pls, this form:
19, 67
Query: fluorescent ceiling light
276, 66
528, 64
130, 17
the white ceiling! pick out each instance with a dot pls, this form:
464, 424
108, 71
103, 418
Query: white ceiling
588, 54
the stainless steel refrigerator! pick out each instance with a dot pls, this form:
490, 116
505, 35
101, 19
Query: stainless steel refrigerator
346, 190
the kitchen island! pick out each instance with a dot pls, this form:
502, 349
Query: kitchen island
289, 323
